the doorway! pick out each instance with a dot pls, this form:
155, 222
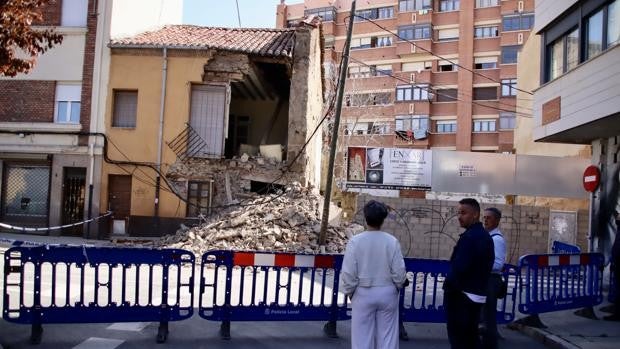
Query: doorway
73, 198
119, 202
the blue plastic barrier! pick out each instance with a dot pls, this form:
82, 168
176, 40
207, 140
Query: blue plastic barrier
552, 282
612, 284
264, 286
69, 284
562, 247
422, 300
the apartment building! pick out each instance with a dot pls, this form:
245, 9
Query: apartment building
50, 159
578, 98
438, 74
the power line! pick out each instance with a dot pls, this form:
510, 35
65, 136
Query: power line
428, 89
238, 13
438, 56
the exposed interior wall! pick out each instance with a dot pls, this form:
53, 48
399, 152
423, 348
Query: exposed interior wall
429, 228
260, 113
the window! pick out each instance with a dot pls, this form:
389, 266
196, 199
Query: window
67, 103
374, 41
446, 126
74, 13
369, 71
594, 37
367, 128
484, 125
485, 62
509, 54
414, 5
486, 32
486, 3
444, 66
417, 66
506, 120
125, 109
449, 5
367, 99
509, 87
563, 55
198, 198
412, 92
447, 95
613, 24
379, 128
448, 34
518, 22
415, 32
326, 13
411, 122
485, 93
375, 13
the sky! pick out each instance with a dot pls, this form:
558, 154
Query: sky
223, 13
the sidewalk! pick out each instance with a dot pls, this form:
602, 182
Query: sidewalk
569, 331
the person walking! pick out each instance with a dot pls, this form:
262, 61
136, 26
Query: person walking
615, 263
372, 274
465, 286
490, 335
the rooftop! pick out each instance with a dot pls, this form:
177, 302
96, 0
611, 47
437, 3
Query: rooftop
257, 41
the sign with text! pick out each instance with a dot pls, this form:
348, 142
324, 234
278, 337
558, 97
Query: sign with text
389, 168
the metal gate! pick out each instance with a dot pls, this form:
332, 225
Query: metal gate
73, 197
25, 194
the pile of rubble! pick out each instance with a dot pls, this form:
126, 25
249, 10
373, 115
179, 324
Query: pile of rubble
285, 222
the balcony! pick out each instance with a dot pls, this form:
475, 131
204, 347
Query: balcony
506, 137
404, 48
493, 74
445, 78
487, 13
487, 44
407, 140
423, 77
445, 47
444, 108
442, 139
484, 139
366, 27
378, 111
373, 53
445, 18
415, 17
419, 107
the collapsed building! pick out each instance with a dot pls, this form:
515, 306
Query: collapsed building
199, 118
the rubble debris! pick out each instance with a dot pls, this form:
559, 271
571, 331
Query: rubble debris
286, 222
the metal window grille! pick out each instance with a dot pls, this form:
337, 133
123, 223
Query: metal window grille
25, 194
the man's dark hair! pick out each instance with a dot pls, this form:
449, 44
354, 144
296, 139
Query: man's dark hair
473, 203
496, 212
375, 213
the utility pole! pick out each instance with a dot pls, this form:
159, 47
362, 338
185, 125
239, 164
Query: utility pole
334, 140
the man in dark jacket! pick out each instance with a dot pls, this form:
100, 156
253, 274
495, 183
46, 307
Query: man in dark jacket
615, 263
465, 286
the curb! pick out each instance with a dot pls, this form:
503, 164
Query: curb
545, 337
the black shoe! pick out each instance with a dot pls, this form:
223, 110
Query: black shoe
613, 317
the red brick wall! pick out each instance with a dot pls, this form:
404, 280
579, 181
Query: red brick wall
52, 13
27, 100
87, 72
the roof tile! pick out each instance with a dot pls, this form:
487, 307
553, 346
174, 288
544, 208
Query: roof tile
259, 41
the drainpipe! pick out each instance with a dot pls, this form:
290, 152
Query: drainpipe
164, 75
91, 152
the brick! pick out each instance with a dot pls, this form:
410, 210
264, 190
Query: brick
27, 100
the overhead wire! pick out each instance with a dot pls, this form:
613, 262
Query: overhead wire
439, 56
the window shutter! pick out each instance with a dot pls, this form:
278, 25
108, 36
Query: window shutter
208, 109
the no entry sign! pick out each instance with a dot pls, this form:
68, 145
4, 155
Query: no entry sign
591, 178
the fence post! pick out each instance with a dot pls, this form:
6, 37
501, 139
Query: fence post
225, 326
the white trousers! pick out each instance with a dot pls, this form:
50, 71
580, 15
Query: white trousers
374, 323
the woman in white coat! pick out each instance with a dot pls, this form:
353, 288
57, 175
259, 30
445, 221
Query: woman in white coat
373, 272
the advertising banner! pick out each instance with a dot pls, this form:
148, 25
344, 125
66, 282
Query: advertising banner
389, 168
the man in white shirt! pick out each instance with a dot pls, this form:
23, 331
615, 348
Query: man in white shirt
490, 335
373, 271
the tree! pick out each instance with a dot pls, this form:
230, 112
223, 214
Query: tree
20, 43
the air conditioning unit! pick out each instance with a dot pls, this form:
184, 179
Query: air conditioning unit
411, 108
520, 6
414, 18
520, 38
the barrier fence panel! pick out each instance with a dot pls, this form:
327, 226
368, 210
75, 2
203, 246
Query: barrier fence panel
562, 247
69, 284
253, 286
422, 300
552, 282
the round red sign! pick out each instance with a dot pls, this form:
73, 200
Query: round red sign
591, 178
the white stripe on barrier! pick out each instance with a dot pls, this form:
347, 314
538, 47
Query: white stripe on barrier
304, 261
264, 259
554, 261
575, 259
